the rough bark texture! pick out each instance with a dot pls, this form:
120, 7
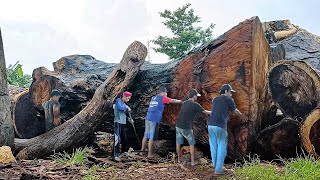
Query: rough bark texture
281, 139
239, 57
295, 88
6, 125
298, 43
76, 130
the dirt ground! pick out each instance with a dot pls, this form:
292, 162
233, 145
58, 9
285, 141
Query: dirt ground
136, 167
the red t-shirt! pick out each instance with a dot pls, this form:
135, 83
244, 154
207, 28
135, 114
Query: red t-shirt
166, 100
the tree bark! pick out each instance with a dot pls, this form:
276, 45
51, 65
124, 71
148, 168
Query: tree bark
281, 139
310, 133
75, 131
6, 125
295, 88
240, 57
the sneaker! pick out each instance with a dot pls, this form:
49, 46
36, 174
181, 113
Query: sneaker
117, 159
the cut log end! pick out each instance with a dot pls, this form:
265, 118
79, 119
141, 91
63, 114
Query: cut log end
310, 133
294, 87
27, 124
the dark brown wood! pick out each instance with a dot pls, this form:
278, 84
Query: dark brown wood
75, 131
281, 139
295, 88
6, 125
239, 57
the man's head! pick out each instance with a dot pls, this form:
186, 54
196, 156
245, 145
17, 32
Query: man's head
193, 93
126, 96
163, 91
226, 90
55, 95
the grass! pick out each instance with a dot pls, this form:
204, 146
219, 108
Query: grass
78, 157
303, 167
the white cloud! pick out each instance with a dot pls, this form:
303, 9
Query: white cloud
38, 32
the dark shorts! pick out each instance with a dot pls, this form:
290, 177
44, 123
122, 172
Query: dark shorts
151, 130
185, 133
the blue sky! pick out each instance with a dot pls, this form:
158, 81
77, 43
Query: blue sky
39, 32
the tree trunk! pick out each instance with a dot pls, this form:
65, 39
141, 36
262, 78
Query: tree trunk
6, 125
75, 131
281, 139
310, 133
295, 88
239, 57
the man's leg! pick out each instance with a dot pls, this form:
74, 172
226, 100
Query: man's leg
123, 138
144, 143
179, 142
153, 137
213, 144
150, 150
116, 139
178, 149
222, 149
192, 152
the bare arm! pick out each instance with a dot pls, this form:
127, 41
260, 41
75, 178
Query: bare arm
175, 101
56, 113
242, 116
206, 112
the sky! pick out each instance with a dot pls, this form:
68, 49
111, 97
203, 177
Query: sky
38, 32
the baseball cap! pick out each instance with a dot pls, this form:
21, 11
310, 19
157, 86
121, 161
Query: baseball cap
55, 92
163, 89
193, 92
127, 94
227, 87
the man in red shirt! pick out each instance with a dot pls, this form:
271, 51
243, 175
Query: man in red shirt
154, 117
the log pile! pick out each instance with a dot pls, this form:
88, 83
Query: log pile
241, 57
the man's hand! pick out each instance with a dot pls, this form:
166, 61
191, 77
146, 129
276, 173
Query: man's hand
243, 118
56, 121
131, 120
128, 108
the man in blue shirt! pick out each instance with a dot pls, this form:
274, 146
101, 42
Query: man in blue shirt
154, 117
217, 126
120, 117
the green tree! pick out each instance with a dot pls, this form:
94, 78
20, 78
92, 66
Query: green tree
16, 77
181, 22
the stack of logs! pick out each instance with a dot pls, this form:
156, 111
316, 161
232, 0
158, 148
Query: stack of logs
241, 57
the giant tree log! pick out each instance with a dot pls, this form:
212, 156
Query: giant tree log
281, 139
239, 57
310, 133
75, 131
295, 88
299, 44
6, 127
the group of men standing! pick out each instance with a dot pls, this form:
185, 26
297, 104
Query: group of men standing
217, 123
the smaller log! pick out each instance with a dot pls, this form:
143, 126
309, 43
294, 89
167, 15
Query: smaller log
281, 139
295, 88
310, 133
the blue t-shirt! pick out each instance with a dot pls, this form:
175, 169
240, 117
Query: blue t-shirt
155, 110
221, 106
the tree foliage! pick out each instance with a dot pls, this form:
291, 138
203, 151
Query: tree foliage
16, 77
181, 22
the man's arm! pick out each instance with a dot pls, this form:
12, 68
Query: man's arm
242, 116
56, 113
175, 101
206, 112
120, 106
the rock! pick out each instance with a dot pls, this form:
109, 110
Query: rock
6, 155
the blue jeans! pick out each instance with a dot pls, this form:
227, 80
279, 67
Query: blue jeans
119, 138
218, 139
